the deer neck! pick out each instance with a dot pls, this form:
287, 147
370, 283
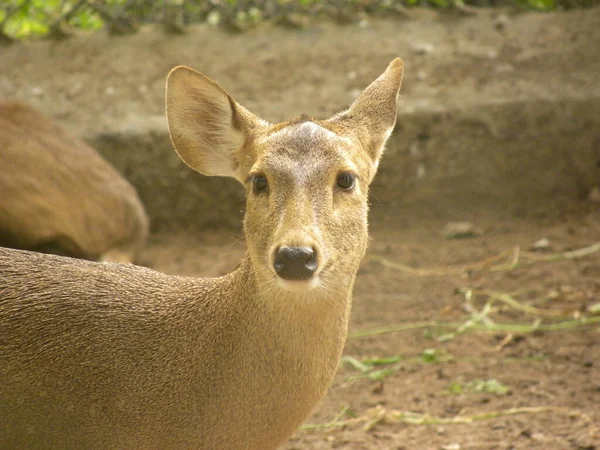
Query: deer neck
297, 341
310, 325
314, 310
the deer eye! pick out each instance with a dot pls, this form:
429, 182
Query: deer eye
346, 181
259, 183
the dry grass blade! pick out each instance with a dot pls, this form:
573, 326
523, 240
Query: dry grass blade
379, 414
480, 320
509, 300
486, 264
516, 258
495, 328
572, 254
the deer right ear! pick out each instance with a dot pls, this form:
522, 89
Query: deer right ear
208, 128
373, 115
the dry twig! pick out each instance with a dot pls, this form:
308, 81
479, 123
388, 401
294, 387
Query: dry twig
378, 414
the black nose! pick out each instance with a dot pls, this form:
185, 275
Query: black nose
295, 263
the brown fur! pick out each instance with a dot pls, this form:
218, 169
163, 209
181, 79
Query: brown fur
60, 196
117, 356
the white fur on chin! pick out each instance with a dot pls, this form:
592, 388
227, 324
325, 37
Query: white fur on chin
299, 285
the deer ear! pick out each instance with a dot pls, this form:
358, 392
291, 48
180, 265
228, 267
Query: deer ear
372, 116
208, 128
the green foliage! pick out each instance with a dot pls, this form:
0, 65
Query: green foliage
89, 21
376, 369
27, 18
433, 356
382, 361
489, 386
479, 386
367, 370
540, 5
24, 18
455, 388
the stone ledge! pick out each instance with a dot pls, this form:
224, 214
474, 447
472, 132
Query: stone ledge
511, 159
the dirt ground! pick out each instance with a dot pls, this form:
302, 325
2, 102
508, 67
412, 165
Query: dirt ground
553, 376
94, 83
511, 389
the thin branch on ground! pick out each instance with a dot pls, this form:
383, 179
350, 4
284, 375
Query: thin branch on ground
517, 259
480, 320
495, 328
379, 414
482, 316
486, 264
509, 300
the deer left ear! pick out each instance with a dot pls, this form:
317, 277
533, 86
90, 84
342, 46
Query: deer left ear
207, 127
372, 116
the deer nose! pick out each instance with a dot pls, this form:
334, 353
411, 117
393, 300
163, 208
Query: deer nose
295, 263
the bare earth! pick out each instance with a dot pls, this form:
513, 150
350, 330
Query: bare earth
554, 376
548, 396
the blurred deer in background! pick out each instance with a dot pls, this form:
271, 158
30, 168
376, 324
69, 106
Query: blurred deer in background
59, 196
109, 356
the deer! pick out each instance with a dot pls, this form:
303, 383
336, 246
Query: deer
117, 356
60, 196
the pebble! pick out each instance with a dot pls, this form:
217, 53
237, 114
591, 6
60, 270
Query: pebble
75, 89
413, 149
594, 194
541, 244
503, 68
501, 21
422, 48
460, 230
452, 446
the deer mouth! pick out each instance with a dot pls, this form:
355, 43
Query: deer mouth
298, 286
321, 279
